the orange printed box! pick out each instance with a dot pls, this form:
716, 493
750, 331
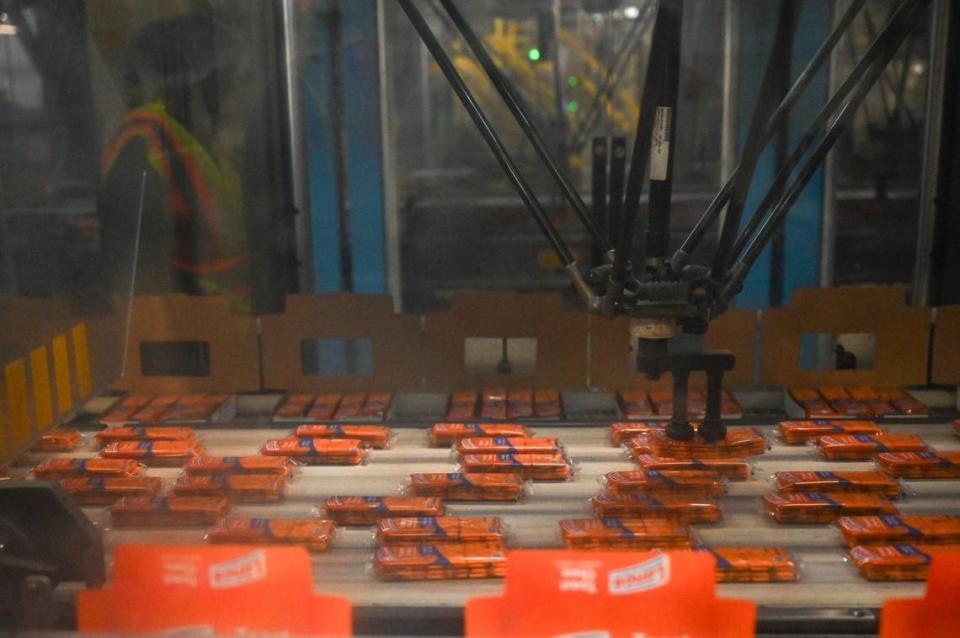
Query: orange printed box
239, 488
884, 530
277, 465
439, 529
444, 434
854, 481
314, 534
431, 561
683, 509
168, 511
814, 507
795, 432
106, 490
374, 436
468, 486
317, 451
59, 440
368, 510
56, 469
616, 533
153, 453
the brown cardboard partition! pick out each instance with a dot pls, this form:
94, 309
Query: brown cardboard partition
228, 340
612, 362
561, 334
28, 322
946, 346
902, 335
395, 341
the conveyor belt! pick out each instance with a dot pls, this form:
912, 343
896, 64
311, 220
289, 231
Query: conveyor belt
827, 581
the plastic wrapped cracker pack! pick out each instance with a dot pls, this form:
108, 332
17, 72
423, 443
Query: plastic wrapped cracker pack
58, 440
753, 564
738, 443
440, 562
168, 511
56, 469
312, 533
239, 488
294, 406
254, 464
317, 451
123, 410
686, 482
635, 405
813, 405
547, 404
903, 402
871, 401
853, 481
796, 432
616, 533
446, 434
145, 433
814, 507
537, 467
439, 529
730, 469
106, 490
928, 464
324, 407
350, 406
683, 509
375, 406
508, 445
841, 401
153, 453
897, 561
156, 409
374, 436
520, 404
368, 510
195, 407
863, 447
621, 433
935, 529
493, 403
468, 486
463, 405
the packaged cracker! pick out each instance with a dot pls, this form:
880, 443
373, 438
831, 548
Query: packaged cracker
239, 488
253, 464
814, 406
156, 409
730, 469
317, 451
897, 561
124, 409
368, 510
493, 404
738, 443
686, 482
635, 405
815, 507
884, 530
374, 436
313, 534
519, 404
195, 407
324, 407
543, 467
853, 481
294, 406
106, 490
148, 433
468, 486
440, 562
376, 405
621, 433
841, 402
676, 507
508, 445
753, 564
904, 402
59, 440
153, 453
439, 529
546, 404
445, 434
927, 464
863, 447
168, 511
617, 533
463, 406
350, 406
795, 432
869, 399
56, 469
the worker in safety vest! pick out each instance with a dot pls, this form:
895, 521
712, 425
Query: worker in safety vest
193, 236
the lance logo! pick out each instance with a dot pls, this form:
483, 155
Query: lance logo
640, 577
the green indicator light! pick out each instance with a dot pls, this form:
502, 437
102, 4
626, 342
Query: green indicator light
572, 80
533, 54
573, 106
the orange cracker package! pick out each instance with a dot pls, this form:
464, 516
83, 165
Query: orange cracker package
753, 564
616, 533
463, 486
863, 447
689, 482
884, 530
278, 465
841, 401
865, 482
55, 469
543, 467
730, 469
871, 401
430, 561
168, 511
463, 405
376, 405
635, 405
156, 409
622, 432
546, 404
153, 453
444, 434
367, 510
903, 401
739, 442
375, 436
439, 529
239, 488
324, 407
106, 490
350, 406
683, 509
295, 406
493, 404
508, 445
814, 406
314, 534
925, 464
124, 409
317, 451
897, 561
59, 440
814, 507
141, 433
195, 407
794, 432
519, 404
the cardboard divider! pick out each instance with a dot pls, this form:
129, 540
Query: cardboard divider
561, 336
232, 340
902, 336
934, 615
946, 346
395, 342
